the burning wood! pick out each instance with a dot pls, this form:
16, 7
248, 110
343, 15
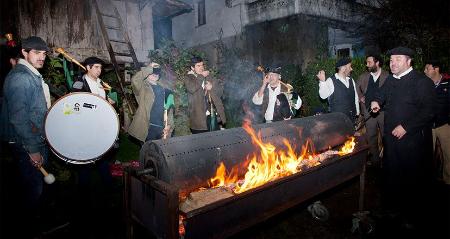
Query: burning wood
205, 197
270, 164
273, 163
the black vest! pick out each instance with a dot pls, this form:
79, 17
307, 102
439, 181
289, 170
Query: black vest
372, 88
343, 98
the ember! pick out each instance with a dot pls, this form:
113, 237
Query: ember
181, 229
272, 163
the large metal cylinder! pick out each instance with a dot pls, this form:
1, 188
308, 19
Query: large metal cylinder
189, 161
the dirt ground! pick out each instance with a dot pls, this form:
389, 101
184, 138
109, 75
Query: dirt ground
100, 215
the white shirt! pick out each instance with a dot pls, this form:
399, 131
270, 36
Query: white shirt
95, 86
44, 85
272, 100
375, 76
326, 88
403, 74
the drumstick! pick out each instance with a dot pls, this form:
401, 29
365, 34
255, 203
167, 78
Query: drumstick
48, 177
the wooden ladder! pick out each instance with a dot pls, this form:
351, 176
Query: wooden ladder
120, 29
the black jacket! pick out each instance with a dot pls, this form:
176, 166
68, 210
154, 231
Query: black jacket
409, 101
442, 104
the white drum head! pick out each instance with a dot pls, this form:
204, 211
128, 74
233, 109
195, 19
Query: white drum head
81, 127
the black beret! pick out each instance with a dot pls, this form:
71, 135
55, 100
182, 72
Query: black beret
343, 61
401, 50
35, 43
276, 70
93, 60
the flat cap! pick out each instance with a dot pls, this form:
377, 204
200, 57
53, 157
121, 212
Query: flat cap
343, 61
401, 50
93, 60
35, 43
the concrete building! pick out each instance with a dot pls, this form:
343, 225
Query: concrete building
293, 31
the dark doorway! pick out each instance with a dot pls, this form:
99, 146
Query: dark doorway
162, 30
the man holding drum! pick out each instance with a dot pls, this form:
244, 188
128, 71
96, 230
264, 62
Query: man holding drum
90, 82
25, 103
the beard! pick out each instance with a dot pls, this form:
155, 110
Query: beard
372, 69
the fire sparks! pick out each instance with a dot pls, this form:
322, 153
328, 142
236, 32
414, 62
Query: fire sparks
272, 163
181, 229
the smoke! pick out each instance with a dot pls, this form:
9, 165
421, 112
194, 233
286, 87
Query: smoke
242, 81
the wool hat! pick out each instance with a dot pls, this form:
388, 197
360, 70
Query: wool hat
35, 43
401, 50
343, 61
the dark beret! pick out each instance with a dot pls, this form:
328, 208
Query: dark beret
35, 43
276, 70
401, 50
343, 61
93, 60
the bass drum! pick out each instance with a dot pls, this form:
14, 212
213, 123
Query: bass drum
81, 127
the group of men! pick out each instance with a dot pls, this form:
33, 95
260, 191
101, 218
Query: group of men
409, 110
399, 106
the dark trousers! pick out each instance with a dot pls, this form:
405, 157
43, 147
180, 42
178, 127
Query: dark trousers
154, 133
102, 167
94, 194
406, 175
373, 125
31, 183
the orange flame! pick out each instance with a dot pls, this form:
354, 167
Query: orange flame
271, 163
348, 147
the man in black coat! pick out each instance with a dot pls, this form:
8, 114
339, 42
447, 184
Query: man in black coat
441, 122
409, 98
